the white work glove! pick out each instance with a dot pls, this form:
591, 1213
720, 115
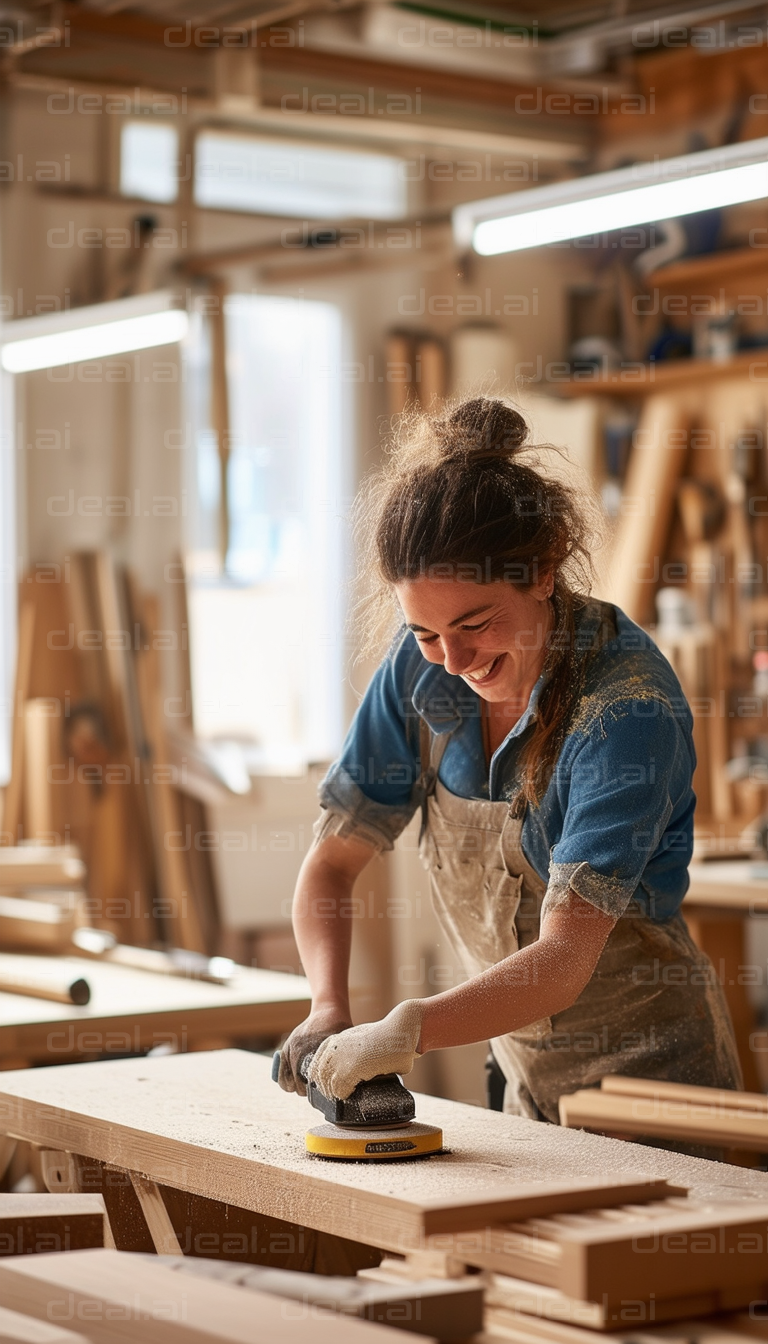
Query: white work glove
360, 1053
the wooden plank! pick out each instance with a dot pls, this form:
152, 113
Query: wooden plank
540, 1330
18, 1329
641, 1253
25, 866
155, 1306
12, 809
43, 752
431, 373
181, 921
449, 1310
711, 1097
219, 402
44, 926
657, 460
40, 1224
728, 885
719, 269
400, 362
656, 1118
216, 1125
669, 375
515, 1297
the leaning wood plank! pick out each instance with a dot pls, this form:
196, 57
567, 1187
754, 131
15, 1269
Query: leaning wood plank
216, 1125
127, 1297
659, 453
649, 1117
11, 827
18, 1329
40, 1224
712, 1097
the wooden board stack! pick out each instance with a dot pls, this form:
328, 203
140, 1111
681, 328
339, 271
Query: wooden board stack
637, 1107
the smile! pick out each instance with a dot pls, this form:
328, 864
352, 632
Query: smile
480, 676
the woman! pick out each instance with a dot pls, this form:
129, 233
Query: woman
548, 744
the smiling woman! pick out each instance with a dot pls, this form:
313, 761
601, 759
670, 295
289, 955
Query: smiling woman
548, 745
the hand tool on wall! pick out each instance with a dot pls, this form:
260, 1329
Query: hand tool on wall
375, 1123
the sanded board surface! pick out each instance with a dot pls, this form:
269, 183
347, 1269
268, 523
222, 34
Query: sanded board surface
216, 1125
16, 1328
127, 1297
130, 1009
663, 1118
35, 1224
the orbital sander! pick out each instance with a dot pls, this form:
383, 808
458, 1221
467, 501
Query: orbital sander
375, 1123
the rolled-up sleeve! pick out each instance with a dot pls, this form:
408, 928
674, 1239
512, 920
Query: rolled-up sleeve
629, 802
373, 789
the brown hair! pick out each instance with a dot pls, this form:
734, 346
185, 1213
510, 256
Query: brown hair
455, 493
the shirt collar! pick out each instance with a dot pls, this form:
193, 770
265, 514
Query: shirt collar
445, 701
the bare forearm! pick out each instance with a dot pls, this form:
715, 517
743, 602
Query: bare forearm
324, 937
322, 919
542, 979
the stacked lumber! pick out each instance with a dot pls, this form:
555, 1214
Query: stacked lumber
645, 1108
39, 1224
109, 1295
93, 762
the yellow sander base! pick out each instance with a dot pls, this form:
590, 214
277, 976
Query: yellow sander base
375, 1145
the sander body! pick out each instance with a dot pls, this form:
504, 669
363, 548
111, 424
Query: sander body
375, 1123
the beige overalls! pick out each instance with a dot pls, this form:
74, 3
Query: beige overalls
653, 1007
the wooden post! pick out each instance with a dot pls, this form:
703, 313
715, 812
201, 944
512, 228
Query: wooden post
13, 794
220, 407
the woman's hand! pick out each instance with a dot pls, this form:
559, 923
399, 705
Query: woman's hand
360, 1053
303, 1041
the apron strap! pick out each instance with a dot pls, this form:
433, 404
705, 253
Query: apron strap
431, 750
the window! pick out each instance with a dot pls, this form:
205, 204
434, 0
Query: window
266, 635
281, 177
148, 161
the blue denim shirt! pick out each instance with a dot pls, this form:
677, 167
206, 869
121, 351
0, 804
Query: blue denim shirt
616, 820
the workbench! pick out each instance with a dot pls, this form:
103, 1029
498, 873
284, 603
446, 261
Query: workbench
724, 894
133, 1011
213, 1127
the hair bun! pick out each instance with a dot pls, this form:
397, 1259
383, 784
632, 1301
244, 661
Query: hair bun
484, 425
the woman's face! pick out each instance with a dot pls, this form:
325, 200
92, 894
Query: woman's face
490, 634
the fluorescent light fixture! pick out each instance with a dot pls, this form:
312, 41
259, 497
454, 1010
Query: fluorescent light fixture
149, 153
288, 178
94, 332
621, 199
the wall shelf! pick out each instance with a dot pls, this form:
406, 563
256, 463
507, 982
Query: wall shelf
643, 380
